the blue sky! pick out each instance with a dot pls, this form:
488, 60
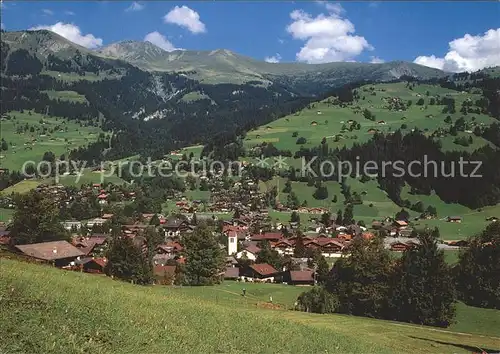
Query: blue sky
311, 31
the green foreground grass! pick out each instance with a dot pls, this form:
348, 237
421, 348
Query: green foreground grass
46, 310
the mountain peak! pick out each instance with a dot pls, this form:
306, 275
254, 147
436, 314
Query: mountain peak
133, 51
42, 42
222, 52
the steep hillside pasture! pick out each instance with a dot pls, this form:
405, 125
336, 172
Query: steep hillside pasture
31, 145
101, 315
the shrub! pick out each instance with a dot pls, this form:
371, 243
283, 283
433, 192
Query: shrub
317, 300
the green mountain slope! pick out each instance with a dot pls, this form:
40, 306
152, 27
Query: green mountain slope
96, 314
337, 125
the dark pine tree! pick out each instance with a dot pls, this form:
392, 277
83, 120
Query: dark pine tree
423, 290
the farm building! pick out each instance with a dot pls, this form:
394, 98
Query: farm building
456, 219
260, 271
60, 253
231, 273
299, 277
93, 265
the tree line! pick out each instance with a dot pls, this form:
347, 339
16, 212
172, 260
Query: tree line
418, 288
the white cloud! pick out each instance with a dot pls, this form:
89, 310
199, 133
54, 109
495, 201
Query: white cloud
47, 12
135, 6
376, 60
281, 41
329, 38
274, 59
72, 32
431, 61
2, 26
69, 13
334, 8
161, 41
185, 17
468, 53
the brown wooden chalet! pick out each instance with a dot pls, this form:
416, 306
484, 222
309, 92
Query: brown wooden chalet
267, 236
59, 253
299, 277
260, 271
175, 226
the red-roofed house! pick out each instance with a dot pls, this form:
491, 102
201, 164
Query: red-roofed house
261, 271
95, 265
267, 236
284, 246
102, 198
330, 247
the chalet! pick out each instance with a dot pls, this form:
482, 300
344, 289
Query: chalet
59, 253
231, 273
381, 122
400, 224
148, 217
102, 198
169, 248
93, 265
299, 277
96, 221
250, 252
88, 246
372, 131
267, 236
314, 123
354, 229
174, 226
492, 218
68, 225
406, 232
399, 246
367, 235
329, 247
284, 246
456, 219
261, 271
457, 243
107, 216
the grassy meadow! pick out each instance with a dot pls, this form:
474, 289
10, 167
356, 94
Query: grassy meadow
70, 96
31, 145
21, 187
324, 120
46, 310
